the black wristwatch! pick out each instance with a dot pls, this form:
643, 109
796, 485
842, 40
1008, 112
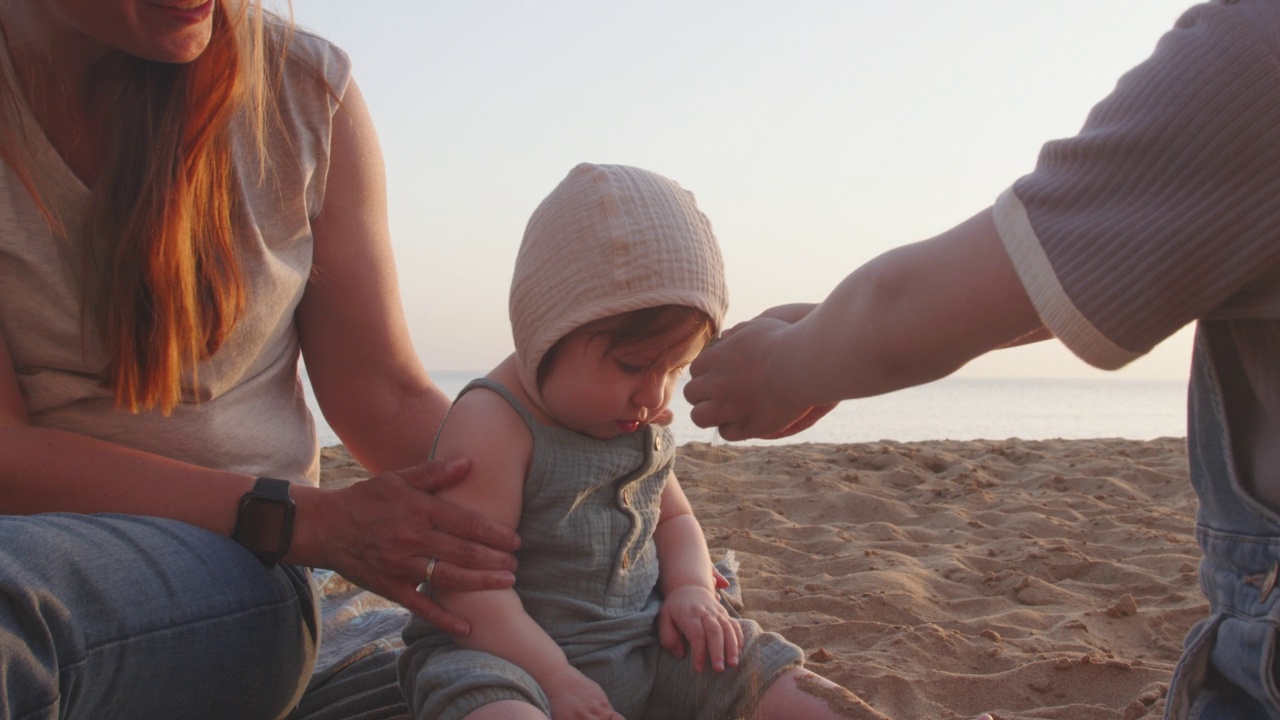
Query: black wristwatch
264, 522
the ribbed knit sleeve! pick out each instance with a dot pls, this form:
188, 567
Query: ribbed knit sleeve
1165, 208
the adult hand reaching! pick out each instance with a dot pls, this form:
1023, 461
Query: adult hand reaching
738, 383
383, 533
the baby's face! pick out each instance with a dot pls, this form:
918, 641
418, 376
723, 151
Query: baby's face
605, 393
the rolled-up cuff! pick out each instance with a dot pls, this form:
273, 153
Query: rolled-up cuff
1051, 301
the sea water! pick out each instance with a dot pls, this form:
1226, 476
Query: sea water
960, 408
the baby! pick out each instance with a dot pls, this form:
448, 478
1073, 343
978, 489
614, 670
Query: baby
615, 613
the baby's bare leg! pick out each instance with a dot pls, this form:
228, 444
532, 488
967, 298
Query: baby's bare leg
801, 695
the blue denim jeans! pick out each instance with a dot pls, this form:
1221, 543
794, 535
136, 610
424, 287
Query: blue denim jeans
1228, 669
115, 616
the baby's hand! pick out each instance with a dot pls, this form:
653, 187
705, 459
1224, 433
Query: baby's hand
575, 696
694, 613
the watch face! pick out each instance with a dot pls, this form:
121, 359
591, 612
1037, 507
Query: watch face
262, 525
264, 522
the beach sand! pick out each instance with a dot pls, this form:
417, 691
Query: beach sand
1030, 579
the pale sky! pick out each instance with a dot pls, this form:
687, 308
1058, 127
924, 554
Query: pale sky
815, 134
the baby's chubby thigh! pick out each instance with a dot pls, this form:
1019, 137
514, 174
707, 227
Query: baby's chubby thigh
679, 691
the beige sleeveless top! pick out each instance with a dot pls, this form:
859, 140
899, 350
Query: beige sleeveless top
249, 413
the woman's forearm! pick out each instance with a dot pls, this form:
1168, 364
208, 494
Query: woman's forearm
55, 471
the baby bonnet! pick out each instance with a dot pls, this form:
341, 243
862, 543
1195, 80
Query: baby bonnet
609, 239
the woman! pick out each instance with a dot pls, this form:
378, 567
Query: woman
192, 198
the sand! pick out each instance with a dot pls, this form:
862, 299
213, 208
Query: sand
1030, 579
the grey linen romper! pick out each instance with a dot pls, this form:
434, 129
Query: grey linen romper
588, 575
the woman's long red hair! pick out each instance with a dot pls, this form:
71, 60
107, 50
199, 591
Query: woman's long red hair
163, 283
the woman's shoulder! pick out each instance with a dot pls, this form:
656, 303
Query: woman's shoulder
304, 67
307, 80
313, 55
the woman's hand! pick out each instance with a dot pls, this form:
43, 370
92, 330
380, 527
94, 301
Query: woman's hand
382, 533
575, 696
693, 613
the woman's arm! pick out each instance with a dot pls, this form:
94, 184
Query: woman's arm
376, 395
367, 378
48, 470
55, 471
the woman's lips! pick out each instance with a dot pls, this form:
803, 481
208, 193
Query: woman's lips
192, 11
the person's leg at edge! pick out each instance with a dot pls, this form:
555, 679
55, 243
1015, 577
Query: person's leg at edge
800, 693
121, 616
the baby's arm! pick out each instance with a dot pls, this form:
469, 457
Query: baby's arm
691, 608
482, 426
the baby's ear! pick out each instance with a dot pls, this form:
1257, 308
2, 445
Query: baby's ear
666, 417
